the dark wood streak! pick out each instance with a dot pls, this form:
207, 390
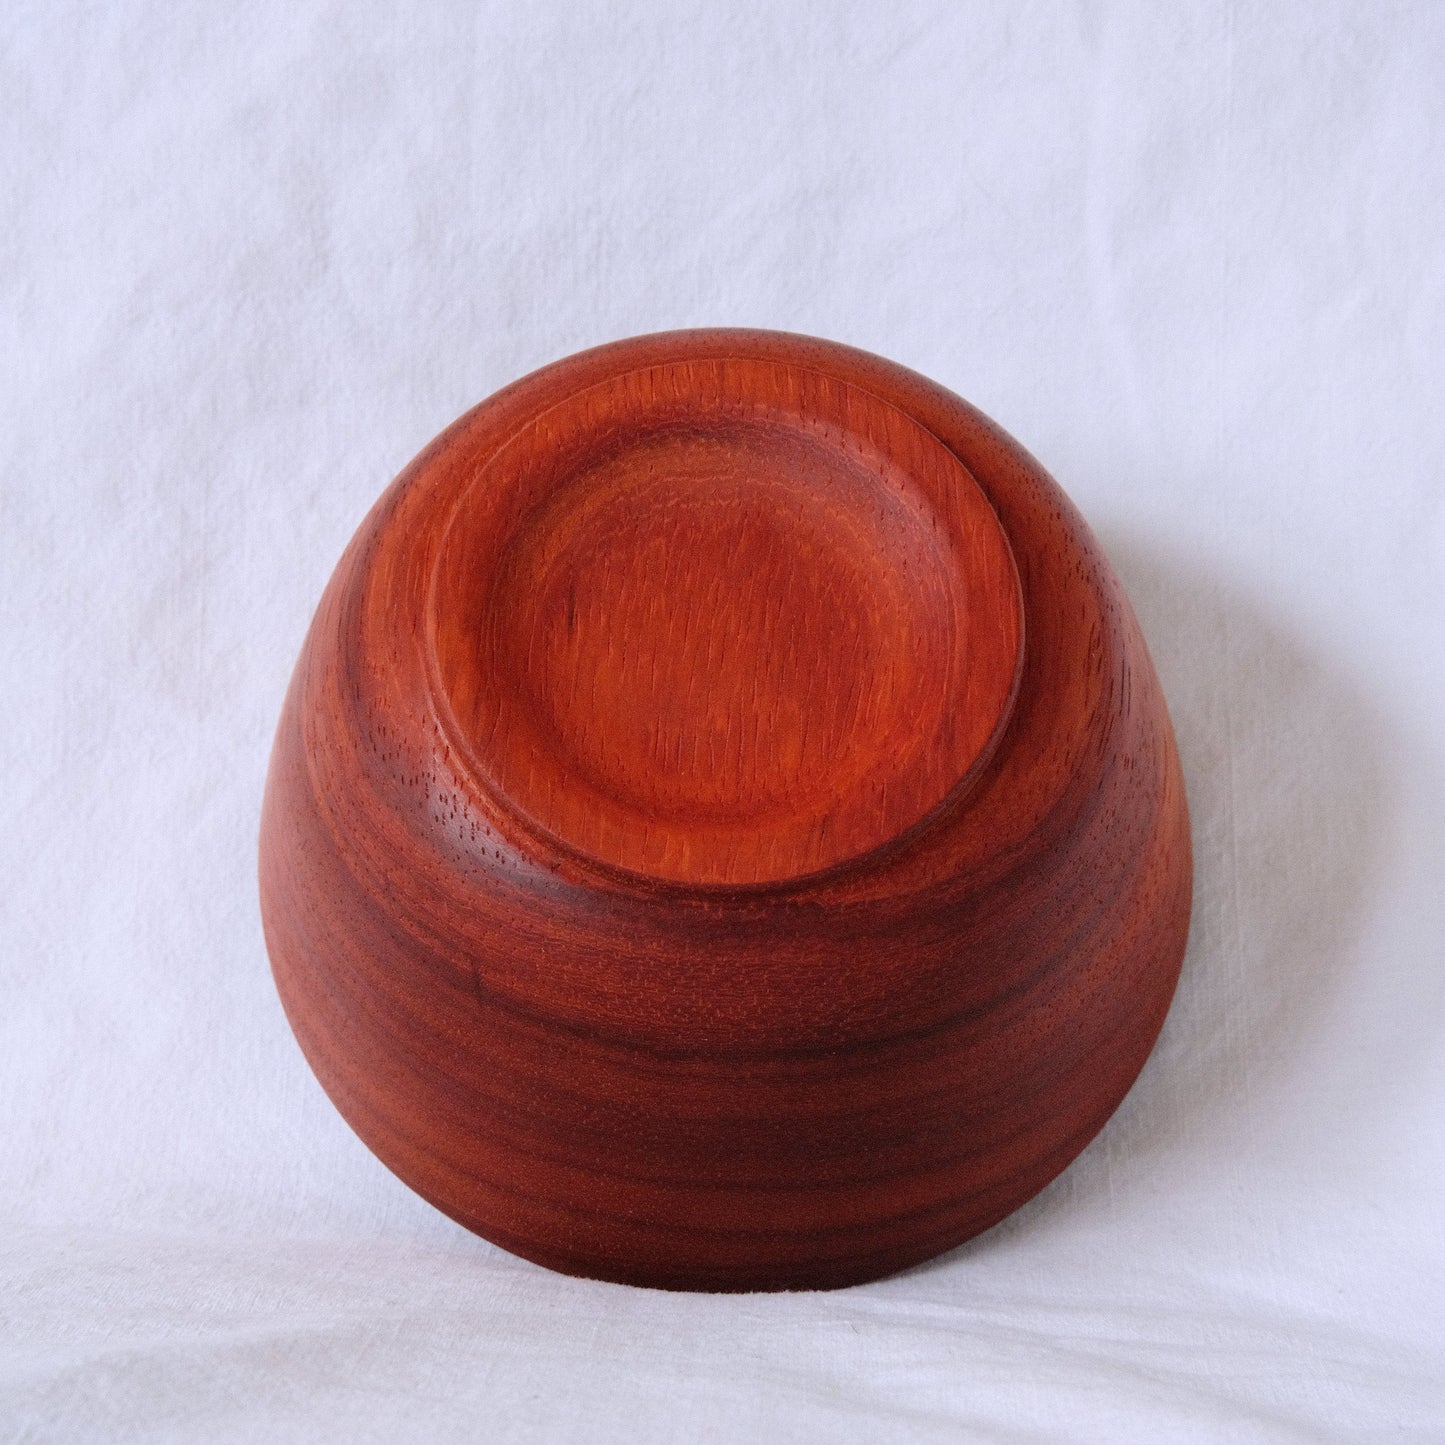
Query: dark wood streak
668, 930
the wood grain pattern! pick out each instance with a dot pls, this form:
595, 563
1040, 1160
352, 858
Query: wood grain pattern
724, 830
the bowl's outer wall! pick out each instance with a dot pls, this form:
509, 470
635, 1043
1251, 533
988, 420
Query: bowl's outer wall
804, 1085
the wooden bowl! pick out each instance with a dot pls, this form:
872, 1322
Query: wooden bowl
724, 831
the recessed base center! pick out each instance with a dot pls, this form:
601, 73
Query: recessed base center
733, 645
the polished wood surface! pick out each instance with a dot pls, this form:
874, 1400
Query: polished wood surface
724, 830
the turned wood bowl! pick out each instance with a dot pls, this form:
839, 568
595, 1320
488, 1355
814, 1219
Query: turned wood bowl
724, 830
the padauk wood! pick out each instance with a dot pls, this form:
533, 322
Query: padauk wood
724, 830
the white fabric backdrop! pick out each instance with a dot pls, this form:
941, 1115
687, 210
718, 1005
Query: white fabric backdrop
1192, 255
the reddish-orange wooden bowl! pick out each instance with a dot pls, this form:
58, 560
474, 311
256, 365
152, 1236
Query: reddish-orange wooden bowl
724, 831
